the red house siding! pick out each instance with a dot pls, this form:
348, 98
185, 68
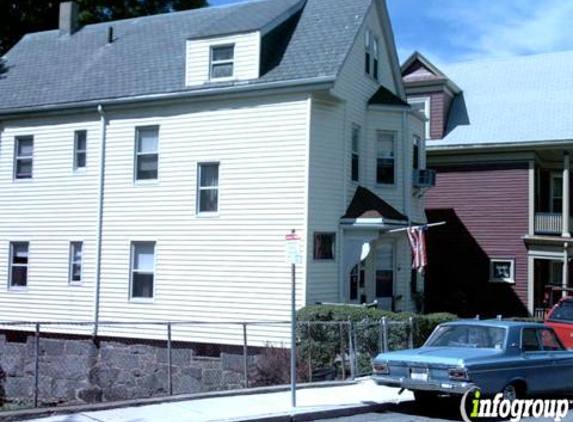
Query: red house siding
439, 108
486, 209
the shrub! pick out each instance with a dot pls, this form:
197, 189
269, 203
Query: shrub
327, 345
273, 368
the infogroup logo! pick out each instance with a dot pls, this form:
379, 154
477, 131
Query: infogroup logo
498, 407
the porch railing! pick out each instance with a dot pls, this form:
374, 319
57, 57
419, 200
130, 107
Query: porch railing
549, 223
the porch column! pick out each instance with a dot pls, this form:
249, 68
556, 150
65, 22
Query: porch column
566, 195
565, 283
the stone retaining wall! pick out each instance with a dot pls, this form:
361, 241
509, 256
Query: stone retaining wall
76, 370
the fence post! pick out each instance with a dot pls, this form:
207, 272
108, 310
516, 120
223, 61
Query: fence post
37, 364
309, 354
411, 336
169, 361
342, 351
351, 351
245, 356
384, 334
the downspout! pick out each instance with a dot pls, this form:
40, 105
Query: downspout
99, 218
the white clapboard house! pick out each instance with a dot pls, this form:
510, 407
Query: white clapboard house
150, 168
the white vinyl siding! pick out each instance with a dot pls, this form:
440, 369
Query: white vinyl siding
24, 157
57, 207
245, 61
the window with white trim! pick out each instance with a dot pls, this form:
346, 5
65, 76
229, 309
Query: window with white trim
76, 251
222, 62
355, 159
384, 270
24, 157
80, 149
416, 148
385, 158
142, 270
18, 274
502, 270
208, 188
556, 193
371, 54
422, 105
146, 153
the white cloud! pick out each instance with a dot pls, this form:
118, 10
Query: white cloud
486, 28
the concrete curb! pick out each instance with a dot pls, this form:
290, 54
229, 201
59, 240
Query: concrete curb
22, 415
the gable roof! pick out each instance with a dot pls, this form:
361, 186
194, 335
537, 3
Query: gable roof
366, 204
517, 100
417, 69
147, 57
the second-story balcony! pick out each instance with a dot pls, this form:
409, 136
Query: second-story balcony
549, 223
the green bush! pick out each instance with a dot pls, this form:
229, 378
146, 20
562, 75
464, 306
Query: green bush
328, 345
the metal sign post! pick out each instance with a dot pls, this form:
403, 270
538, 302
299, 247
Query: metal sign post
294, 256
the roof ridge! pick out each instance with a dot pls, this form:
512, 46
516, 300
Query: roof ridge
178, 13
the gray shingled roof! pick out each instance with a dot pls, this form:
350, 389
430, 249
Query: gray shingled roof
511, 100
148, 54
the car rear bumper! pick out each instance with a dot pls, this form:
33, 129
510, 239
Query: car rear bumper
448, 387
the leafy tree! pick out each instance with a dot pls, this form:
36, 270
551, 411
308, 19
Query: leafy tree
19, 17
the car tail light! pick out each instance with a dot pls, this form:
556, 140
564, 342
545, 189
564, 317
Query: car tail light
380, 368
458, 374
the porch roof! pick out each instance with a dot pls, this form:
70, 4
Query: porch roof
366, 204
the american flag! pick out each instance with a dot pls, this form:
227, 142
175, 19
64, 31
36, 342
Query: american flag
418, 244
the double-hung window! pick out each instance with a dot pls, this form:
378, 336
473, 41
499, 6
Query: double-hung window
76, 250
208, 188
416, 141
355, 164
385, 158
18, 277
222, 61
146, 153
324, 246
24, 157
142, 270
371, 54
556, 193
422, 105
80, 149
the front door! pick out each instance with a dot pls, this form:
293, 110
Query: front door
384, 285
357, 284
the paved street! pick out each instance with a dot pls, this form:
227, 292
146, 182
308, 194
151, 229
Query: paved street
407, 411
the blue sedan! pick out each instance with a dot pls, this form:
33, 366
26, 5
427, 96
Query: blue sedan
514, 358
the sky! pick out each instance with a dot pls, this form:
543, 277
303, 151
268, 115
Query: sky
449, 31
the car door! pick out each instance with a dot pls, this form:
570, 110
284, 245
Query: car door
534, 361
561, 371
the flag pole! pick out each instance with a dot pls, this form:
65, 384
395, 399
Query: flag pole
441, 223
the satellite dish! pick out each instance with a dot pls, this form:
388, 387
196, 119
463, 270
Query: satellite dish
365, 251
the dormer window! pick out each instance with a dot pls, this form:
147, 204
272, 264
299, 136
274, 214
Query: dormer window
222, 62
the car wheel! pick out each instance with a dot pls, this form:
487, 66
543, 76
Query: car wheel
424, 398
512, 392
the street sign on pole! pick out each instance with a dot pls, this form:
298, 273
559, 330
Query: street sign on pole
293, 249
294, 257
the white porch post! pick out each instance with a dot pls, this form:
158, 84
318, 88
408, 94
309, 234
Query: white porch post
566, 194
565, 283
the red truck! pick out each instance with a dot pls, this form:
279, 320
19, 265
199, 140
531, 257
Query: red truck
560, 317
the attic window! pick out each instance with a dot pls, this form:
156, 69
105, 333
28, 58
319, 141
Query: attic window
371, 54
222, 61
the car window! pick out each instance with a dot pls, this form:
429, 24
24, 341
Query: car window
529, 340
465, 335
563, 312
549, 340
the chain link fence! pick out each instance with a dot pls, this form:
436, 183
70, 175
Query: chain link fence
48, 364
